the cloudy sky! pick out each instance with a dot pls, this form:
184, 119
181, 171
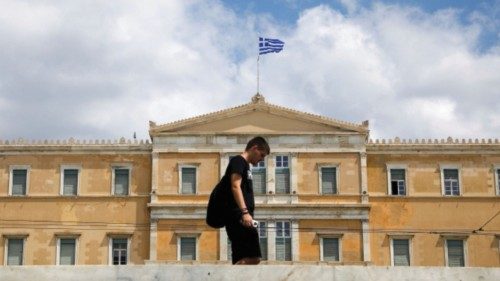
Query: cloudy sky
102, 69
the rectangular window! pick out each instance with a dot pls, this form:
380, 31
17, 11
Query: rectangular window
451, 183
498, 181
259, 178
328, 180
119, 251
15, 249
19, 181
70, 182
456, 257
282, 175
188, 183
331, 250
121, 184
67, 251
283, 241
188, 248
401, 252
263, 239
398, 185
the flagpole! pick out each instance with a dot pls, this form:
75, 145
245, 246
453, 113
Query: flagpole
258, 86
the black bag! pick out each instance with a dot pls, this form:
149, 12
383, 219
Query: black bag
216, 208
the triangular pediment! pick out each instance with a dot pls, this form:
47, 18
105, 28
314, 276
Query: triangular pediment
258, 117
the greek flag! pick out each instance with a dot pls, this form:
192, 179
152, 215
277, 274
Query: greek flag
268, 45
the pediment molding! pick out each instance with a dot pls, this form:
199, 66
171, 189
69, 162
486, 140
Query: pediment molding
258, 104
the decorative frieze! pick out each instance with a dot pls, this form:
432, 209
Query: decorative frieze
278, 143
269, 212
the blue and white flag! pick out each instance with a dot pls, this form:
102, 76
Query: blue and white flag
268, 45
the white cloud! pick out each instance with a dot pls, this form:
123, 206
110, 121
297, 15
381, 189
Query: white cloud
350, 5
100, 70
390, 64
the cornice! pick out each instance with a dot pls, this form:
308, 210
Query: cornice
448, 145
75, 146
257, 104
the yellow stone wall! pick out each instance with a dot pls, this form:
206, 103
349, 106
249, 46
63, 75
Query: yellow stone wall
423, 174
168, 171
426, 213
93, 215
308, 172
95, 177
311, 231
170, 230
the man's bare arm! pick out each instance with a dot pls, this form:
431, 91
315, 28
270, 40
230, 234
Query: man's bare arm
238, 197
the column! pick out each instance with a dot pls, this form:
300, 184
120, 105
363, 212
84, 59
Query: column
364, 177
294, 178
154, 177
223, 244
224, 161
366, 240
270, 174
271, 240
295, 240
153, 234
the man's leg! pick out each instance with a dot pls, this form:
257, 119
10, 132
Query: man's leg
249, 261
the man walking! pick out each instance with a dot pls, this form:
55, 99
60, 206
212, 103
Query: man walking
238, 180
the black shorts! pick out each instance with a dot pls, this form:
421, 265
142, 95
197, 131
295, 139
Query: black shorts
244, 241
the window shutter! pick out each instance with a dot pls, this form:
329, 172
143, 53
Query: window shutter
263, 247
283, 241
451, 184
15, 252
282, 181
398, 174
401, 250
259, 181
120, 251
19, 182
263, 239
280, 249
121, 181
288, 249
455, 252
70, 182
398, 182
331, 249
498, 178
67, 251
188, 180
188, 248
328, 180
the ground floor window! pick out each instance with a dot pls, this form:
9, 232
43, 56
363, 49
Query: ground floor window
455, 252
330, 249
187, 248
67, 251
119, 251
15, 250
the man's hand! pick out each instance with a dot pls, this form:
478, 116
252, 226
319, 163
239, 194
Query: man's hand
246, 220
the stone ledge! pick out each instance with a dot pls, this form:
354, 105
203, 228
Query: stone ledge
247, 273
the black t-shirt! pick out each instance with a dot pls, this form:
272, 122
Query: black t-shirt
238, 165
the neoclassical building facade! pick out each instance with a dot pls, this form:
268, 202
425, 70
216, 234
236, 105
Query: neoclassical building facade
325, 194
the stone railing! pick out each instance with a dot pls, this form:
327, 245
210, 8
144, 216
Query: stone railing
74, 142
447, 141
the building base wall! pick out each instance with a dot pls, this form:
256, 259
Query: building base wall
247, 273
